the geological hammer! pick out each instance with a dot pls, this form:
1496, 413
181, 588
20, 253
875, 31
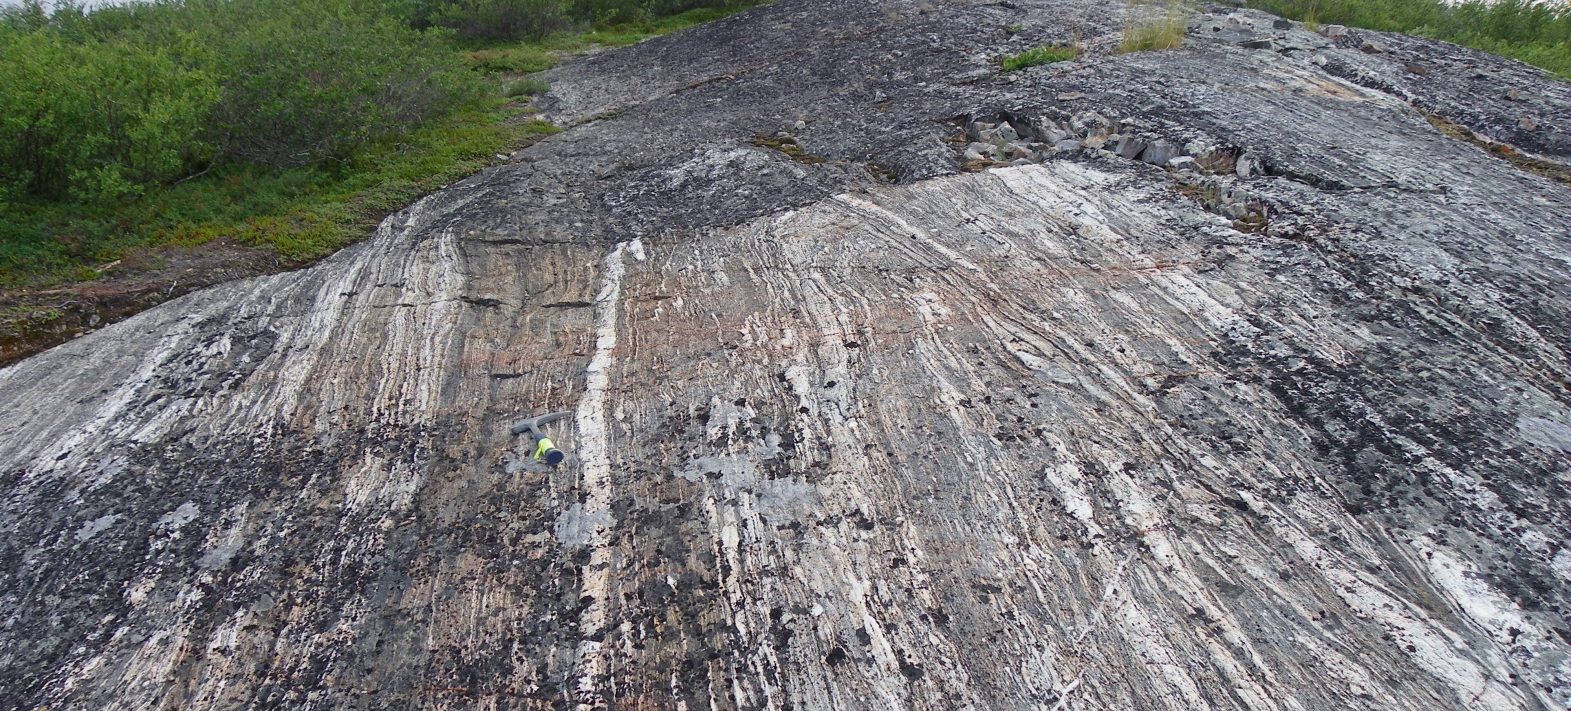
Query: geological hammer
545, 451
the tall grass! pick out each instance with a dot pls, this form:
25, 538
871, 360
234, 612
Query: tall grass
1148, 26
1538, 33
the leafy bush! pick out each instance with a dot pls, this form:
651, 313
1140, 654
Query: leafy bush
503, 19
100, 105
99, 119
298, 213
1046, 54
285, 124
307, 81
1533, 32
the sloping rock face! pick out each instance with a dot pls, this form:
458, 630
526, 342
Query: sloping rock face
1276, 417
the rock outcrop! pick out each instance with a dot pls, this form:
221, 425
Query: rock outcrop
1262, 401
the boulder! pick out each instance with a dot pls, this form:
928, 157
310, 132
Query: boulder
1051, 132
981, 151
1129, 147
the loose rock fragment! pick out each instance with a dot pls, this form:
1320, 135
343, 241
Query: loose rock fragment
1129, 147
1249, 165
1160, 152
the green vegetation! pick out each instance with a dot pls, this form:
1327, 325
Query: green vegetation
300, 213
1535, 33
540, 54
291, 125
1046, 54
1149, 27
501, 20
527, 86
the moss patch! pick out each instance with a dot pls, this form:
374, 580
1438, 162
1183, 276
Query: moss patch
788, 145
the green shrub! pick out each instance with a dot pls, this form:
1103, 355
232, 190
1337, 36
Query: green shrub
99, 106
97, 120
1046, 54
288, 124
307, 81
503, 19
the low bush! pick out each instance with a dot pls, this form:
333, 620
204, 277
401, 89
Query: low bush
103, 106
491, 20
525, 59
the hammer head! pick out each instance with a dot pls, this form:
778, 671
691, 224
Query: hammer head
534, 424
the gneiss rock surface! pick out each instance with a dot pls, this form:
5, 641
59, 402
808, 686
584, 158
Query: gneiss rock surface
1282, 421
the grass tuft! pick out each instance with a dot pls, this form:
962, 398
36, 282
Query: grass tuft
527, 86
1148, 27
1045, 54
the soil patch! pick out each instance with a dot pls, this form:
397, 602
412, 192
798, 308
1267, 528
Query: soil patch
34, 319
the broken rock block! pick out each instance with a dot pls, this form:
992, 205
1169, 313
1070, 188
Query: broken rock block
1129, 147
1160, 152
1091, 124
1249, 165
975, 130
